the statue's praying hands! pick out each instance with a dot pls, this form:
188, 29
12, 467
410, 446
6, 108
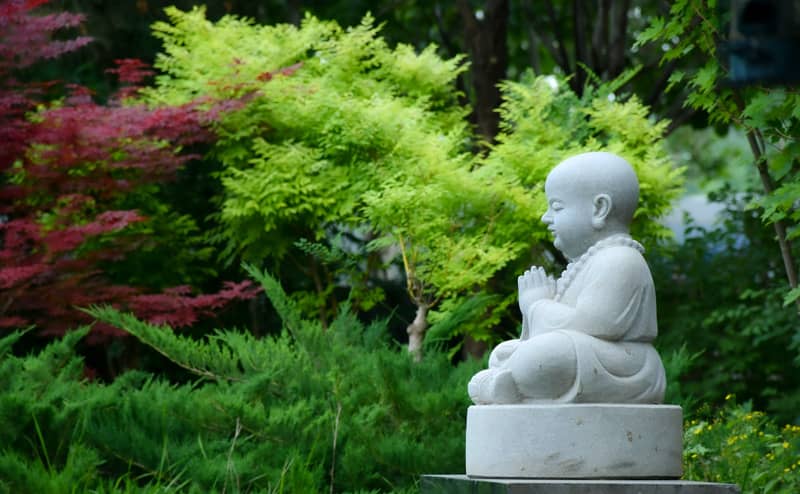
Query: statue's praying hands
535, 284
586, 337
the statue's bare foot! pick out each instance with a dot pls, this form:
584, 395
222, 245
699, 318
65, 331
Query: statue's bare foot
493, 386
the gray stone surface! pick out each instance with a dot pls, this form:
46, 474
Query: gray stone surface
574, 441
461, 484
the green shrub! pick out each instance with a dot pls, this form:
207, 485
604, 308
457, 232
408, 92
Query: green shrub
290, 413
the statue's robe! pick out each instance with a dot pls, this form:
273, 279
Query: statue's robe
607, 313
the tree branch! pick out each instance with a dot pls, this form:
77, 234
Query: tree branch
680, 117
756, 142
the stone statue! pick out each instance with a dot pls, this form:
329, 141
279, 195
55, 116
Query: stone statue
586, 337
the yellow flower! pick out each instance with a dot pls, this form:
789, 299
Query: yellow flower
728, 396
785, 445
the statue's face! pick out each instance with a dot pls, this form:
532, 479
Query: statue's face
568, 216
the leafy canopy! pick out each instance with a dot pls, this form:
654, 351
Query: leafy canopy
342, 133
334, 114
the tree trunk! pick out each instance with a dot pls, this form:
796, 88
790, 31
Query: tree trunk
756, 141
473, 348
416, 332
582, 48
485, 39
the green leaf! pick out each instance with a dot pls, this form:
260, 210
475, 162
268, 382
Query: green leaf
791, 296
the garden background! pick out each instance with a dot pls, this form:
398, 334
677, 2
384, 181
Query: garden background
262, 246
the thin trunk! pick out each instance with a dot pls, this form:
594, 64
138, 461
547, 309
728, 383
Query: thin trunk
255, 308
780, 226
323, 317
416, 331
756, 141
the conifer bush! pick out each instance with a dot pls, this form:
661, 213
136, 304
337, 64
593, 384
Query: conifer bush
295, 412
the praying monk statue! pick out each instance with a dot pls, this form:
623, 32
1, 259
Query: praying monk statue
586, 337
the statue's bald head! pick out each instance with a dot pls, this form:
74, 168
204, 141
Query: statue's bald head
591, 174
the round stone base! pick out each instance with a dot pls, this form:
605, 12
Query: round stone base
577, 441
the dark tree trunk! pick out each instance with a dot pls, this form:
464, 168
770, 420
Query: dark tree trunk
618, 42
581, 46
485, 39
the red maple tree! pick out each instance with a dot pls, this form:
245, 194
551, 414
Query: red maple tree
63, 168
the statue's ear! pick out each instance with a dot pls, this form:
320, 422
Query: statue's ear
602, 208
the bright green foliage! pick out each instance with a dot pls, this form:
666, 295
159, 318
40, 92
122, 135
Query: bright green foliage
769, 116
471, 224
335, 113
544, 123
332, 116
289, 413
343, 134
745, 447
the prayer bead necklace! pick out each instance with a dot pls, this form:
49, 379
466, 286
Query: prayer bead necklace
573, 268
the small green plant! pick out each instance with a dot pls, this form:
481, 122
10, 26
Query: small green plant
745, 447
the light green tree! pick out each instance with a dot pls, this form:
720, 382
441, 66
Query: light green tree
480, 221
331, 115
340, 134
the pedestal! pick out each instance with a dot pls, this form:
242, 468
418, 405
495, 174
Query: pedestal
575, 441
461, 484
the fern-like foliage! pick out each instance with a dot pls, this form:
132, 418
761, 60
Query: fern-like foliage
335, 113
544, 122
342, 132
